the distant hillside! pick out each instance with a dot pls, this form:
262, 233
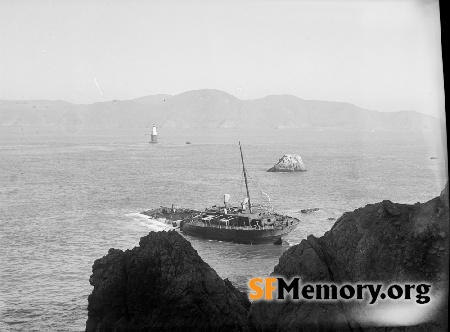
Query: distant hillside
210, 109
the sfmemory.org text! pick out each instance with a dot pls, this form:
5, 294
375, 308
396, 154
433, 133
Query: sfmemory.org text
279, 289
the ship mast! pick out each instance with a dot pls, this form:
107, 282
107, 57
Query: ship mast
245, 178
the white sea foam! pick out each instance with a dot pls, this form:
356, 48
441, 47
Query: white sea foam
155, 225
137, 216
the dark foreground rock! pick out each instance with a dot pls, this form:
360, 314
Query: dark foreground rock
162, 285
380, 243
289, 163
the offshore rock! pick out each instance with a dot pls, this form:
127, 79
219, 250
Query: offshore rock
162, 285
382, 243
289, 163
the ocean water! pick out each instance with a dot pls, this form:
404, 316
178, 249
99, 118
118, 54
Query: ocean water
67, 196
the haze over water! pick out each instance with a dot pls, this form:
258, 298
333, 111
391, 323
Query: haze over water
66, 198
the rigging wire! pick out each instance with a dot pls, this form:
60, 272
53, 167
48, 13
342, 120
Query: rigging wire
255, 185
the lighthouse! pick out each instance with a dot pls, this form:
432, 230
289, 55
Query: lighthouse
154, 135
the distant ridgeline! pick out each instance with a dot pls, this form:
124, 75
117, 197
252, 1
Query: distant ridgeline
210, 109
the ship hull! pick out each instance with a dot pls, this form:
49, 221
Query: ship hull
170, 214
239, 235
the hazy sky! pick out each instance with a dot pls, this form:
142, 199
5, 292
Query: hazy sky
381, 55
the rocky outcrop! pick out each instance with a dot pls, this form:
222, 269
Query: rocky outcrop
162, 285
289, 163
380, 243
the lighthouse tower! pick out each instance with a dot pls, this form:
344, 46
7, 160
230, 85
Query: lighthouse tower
154, 135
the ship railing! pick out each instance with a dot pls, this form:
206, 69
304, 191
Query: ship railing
226, 220
207, 220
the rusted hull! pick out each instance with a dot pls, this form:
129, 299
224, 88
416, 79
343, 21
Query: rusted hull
240, 235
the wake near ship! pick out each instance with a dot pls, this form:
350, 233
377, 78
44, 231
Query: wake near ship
248, 223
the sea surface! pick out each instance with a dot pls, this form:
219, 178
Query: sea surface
67, 196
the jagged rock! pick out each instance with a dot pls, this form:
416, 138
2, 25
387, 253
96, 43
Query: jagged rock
289, 163
162, 285
407, 244
444, 196
391, 208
